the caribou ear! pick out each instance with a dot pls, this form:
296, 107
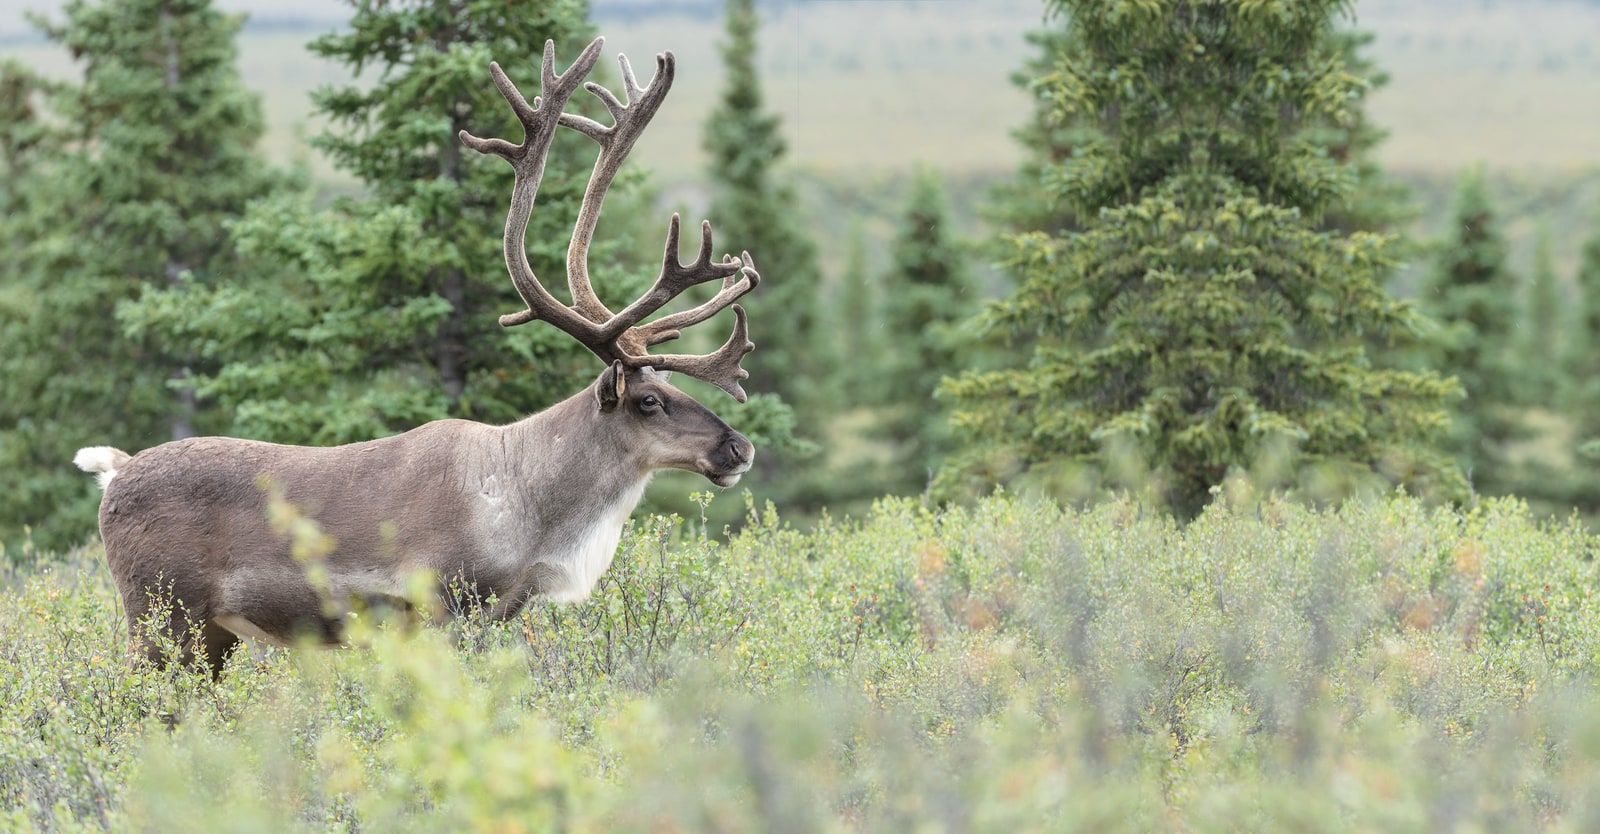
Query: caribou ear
613, 384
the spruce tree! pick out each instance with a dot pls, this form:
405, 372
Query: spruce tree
857, 309
1584, 410
1586, 348
1545, 330
1472, 294
756, 206
1550, 478
154, 156
1202, 321
379, 313
927, 293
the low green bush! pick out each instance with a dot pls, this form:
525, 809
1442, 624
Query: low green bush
1010, 666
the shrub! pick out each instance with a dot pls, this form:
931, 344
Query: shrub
1009, 666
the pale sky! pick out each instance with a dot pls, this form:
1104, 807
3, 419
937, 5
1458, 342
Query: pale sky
12, 22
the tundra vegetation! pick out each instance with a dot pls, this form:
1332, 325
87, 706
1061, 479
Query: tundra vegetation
1222, 535
1007, 666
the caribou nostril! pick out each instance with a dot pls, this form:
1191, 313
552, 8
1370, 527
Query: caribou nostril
738, 448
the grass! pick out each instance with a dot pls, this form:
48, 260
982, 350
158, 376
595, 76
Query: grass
1012, 666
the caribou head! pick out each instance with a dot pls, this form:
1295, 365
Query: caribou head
643, 412
665, 428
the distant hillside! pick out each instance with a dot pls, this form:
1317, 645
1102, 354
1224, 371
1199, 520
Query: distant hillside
867, 89
875, 86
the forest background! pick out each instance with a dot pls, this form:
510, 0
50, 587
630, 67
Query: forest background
1271, 550
872, 98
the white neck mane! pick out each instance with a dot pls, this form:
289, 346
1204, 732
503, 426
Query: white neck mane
579, 565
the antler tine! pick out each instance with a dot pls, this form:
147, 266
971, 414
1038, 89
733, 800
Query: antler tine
720, 367
619, 336
539, 122
734, 287
526, 113
629, 82
674, 279
629, 121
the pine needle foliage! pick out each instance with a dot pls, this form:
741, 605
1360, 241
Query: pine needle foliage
755, 208
378, 313
1202, 320
115, 185
927, 294
1472, 293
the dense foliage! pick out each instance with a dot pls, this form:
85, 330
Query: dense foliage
1007, 667
123, 183
756, 209
378, 313
1203, 322
1200, 247
1472, 294
927, 293
1585, 369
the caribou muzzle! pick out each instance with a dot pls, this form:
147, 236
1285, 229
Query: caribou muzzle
730, 460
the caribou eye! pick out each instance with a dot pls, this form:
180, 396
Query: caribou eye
649, 404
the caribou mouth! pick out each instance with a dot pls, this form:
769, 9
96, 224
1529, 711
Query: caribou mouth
728, 478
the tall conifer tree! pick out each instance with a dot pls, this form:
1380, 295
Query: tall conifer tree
927, 293
1584, 410
1550, 478
1586, 348
1202, 321
1472, 294
135, 192
379, 313
858, 311
755, 205
1545, 334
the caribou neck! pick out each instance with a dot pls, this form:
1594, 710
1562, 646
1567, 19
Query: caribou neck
568, 445
554, 491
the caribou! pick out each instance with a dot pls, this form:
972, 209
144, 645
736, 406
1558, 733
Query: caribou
529, 511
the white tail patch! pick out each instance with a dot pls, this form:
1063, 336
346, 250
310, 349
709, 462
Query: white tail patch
102, 461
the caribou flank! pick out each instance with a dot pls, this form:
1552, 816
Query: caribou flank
532, 510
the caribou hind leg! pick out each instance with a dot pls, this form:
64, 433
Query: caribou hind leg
218, 644
175, 634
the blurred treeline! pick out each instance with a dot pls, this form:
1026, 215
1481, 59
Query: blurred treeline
1198, 261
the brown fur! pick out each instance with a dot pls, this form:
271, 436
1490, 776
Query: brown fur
495, 506
528, 510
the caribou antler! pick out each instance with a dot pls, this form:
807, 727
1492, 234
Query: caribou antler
613, 336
